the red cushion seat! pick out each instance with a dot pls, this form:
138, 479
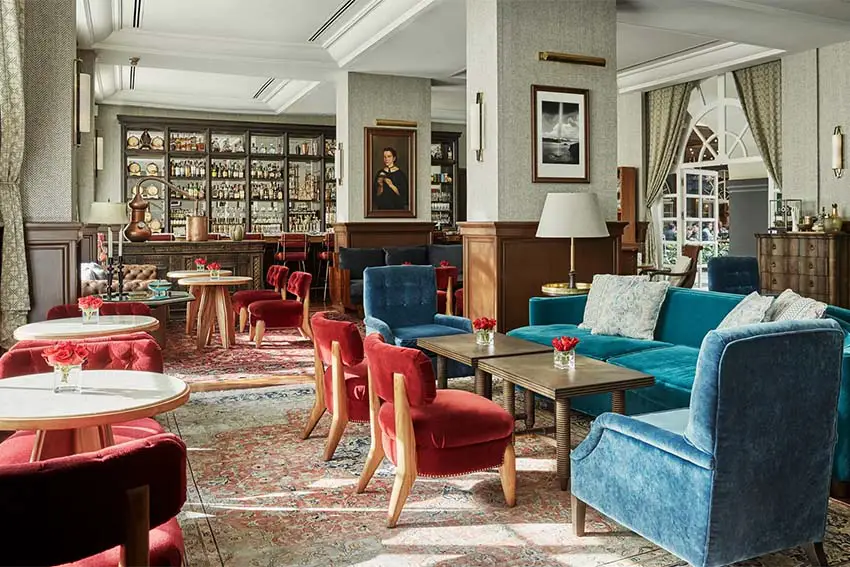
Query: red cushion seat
246, 297
166, 549
294, 256
357, 391
276, 313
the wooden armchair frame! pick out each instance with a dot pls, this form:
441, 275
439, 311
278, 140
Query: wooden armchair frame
339, 399
406, 467
256, 332
243, 312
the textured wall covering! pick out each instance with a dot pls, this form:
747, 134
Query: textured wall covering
367, 98
834, 80
108, 183
572, 26
799, 128
85, 163
47, 176
631, 148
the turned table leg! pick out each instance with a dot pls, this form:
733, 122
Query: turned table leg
529, 409
509, 394
442, 379
483, 383
618, 402
562, 438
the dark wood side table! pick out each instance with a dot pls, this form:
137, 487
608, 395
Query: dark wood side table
537, 373
465, 350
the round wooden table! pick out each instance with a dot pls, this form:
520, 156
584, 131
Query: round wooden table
213, 306
192, 307
73, 328
107, 397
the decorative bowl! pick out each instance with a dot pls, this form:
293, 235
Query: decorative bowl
160, 287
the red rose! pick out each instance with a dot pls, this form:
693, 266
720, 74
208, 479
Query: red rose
65, 354
200, 262
564, 343
484, 324
90, 302
444, 264
407, 263
213, 266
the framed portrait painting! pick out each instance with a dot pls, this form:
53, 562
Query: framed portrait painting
561, 135
390, 173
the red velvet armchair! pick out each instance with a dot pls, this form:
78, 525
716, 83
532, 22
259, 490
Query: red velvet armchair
104, 354
283, 313
459, 302
430, 432
446, 281
96, 509
123, 308
341, 387
275, 278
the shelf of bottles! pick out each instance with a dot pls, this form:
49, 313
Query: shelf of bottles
227, 182
304, 186
268, 184
144, 155
443, 172
187, 169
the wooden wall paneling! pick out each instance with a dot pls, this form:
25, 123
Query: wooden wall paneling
88, 245
53, 261
627, 188
380, 234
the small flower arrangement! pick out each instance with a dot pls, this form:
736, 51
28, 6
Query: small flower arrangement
215, 270
444, 264
565, 352
200, 264
90, 307
407, 263
485, 330
67, 359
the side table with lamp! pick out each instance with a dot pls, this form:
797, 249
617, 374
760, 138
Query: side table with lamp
570, 215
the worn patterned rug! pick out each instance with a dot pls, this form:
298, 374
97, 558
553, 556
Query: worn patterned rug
259, 496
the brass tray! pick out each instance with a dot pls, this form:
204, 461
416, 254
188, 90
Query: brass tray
561, 288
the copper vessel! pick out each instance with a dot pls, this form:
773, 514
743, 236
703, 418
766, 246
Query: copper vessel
197, 228
138, 230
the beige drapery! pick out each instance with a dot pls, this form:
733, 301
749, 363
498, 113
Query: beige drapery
14, 282
667, 110
760, 92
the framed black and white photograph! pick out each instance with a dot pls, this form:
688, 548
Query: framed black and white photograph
561, 133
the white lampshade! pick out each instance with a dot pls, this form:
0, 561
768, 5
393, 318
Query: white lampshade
108, 213
571, 215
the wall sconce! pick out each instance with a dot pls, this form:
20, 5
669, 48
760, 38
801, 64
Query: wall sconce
477, 122
81, 102
837, 152
338, 162
98, 153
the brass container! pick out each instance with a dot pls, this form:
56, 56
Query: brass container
197, 229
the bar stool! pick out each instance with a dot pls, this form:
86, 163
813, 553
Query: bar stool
326, 256
292, 247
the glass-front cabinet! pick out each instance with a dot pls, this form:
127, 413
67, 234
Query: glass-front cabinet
444, 171
266, 178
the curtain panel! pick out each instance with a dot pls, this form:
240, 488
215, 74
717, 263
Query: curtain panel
760, 91
14, 281
667, 112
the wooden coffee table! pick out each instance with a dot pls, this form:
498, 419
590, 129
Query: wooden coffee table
536, 373
465, 350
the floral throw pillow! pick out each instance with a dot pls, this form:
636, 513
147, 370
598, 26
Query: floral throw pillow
791, 306
601, 292
752, 309
632, 309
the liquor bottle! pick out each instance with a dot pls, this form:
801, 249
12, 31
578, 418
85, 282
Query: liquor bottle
279, 194
214, 170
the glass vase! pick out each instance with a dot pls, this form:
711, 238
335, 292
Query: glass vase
91, 316
485, 336
200, 267
565, 359
67, 379
215, 274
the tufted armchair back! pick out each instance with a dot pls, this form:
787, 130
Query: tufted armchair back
733, 274
385, 360
104, 354
299, 284
400, 295
276, 276
97, 495
70, 310
326, 330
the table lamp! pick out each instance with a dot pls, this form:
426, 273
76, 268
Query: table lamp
109, 215
571, 215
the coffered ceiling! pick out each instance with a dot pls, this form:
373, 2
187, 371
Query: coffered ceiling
281, 56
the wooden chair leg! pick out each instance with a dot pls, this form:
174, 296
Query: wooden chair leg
404, 478
577, 509
327, 275
340, 401
406, 467
816, 554
259, 331
376, 449
338, 424
319, 405
136, 548
251, 332
507, 472
243, 319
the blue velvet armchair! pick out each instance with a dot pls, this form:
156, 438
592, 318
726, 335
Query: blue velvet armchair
400, 303
733, 274
745, 470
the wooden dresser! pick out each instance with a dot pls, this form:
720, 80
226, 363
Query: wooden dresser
813, 264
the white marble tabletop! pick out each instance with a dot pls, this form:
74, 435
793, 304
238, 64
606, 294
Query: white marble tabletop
73, 328
223, 280
107, 396
181, 274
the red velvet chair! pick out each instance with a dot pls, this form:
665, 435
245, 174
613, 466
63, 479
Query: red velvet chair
96, 509
340, 377
326, 256
446, 281
459, 302
70, 310
104, 353
430, 432
276, 278
283, 313
292, 247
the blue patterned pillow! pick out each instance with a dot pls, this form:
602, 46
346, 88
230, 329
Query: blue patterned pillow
632, 309
601, 291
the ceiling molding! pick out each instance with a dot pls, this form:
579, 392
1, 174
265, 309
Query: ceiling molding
347, 26
188, 102
696, 64
85, 25
780, 12
327, 24
117, 13
286, 100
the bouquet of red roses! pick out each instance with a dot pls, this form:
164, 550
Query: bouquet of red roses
214, 266
564, 344
200, 262
444, 264
90, 302
484, 324
65, 354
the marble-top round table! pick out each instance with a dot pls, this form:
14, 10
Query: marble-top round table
107, 397
181, 274
73, 327
214, 307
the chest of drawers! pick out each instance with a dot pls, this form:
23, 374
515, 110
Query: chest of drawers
814, 265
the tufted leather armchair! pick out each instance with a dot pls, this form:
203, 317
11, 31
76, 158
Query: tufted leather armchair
136, 278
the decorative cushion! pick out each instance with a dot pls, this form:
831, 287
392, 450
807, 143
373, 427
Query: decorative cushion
246, 297
791, 306
92, 271
355, 260
276, 313
751, 310
356, 389
406, 336
356, 292
398, 255
604, 287
631, 309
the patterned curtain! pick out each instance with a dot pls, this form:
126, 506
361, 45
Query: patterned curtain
667, 110
760, 91
14, 282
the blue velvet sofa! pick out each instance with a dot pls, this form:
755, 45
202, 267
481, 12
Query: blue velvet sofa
745, 471
686, 317
352, 262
